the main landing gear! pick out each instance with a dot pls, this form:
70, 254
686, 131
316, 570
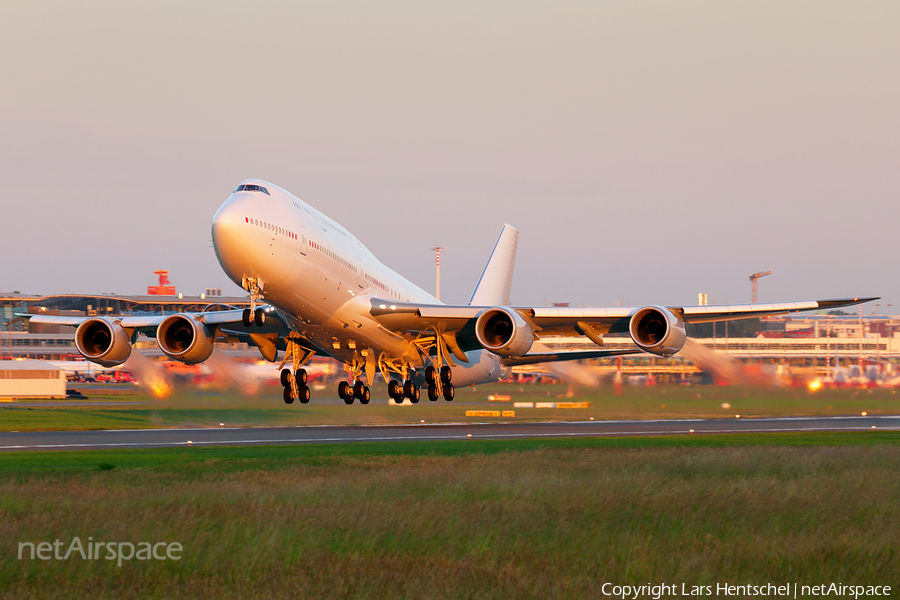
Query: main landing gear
407, 389
294, 380
357, 391
291, 380
439, 384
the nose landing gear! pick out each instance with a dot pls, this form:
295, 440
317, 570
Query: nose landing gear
252, 315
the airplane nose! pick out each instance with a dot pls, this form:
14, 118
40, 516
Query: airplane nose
228, 223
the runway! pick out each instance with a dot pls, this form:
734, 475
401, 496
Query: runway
168, 438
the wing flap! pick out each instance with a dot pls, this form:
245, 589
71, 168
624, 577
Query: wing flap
533, 359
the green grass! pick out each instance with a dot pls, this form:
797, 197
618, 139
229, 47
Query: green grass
189, 407
468, 519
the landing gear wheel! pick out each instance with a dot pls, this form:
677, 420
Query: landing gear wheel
260, 318
430, 374
408, 387
449, 392
345, 392
247, 317
358, 390
304, 394
432, 392
415, 395
395, 390
364, 399
288, 399
286, 378
446, 375
301, 376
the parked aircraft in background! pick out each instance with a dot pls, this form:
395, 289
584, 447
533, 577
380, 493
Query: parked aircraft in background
315, 289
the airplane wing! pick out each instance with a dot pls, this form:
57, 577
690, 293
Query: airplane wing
459, 322
231, 320
145, 324
227, 324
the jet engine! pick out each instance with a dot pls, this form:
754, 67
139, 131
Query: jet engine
103, 341
656, 330
503, 331
185, 339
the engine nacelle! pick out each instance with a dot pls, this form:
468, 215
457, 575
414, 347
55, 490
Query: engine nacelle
503, 331
103, 341
656, 330
185, 339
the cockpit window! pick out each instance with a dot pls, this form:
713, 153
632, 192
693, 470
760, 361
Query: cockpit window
252, 188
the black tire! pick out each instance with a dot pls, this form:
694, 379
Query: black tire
301, 376
366, 395
260, 317
344, 391
247, 318
415, 395
395, 390
358, 390
408, 388
288, 398
430, 375
285, 378
446, 375
449, 392
432, 392
304, 395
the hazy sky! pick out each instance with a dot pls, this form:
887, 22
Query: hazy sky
647, 151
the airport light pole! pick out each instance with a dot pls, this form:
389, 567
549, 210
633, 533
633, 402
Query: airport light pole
437, 270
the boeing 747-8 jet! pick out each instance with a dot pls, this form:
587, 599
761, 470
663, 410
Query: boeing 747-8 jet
315, 289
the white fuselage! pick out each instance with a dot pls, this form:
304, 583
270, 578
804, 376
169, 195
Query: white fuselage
321, 277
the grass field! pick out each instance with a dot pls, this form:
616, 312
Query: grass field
473, 519
190, 407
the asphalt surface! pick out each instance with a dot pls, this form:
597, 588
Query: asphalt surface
161, 438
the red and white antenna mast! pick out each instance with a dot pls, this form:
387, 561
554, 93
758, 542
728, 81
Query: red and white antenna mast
437, 270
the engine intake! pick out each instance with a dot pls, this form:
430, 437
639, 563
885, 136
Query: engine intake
184, 339
503, 331
103, 341
656, 330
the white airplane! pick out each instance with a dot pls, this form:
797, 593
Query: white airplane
315, 289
